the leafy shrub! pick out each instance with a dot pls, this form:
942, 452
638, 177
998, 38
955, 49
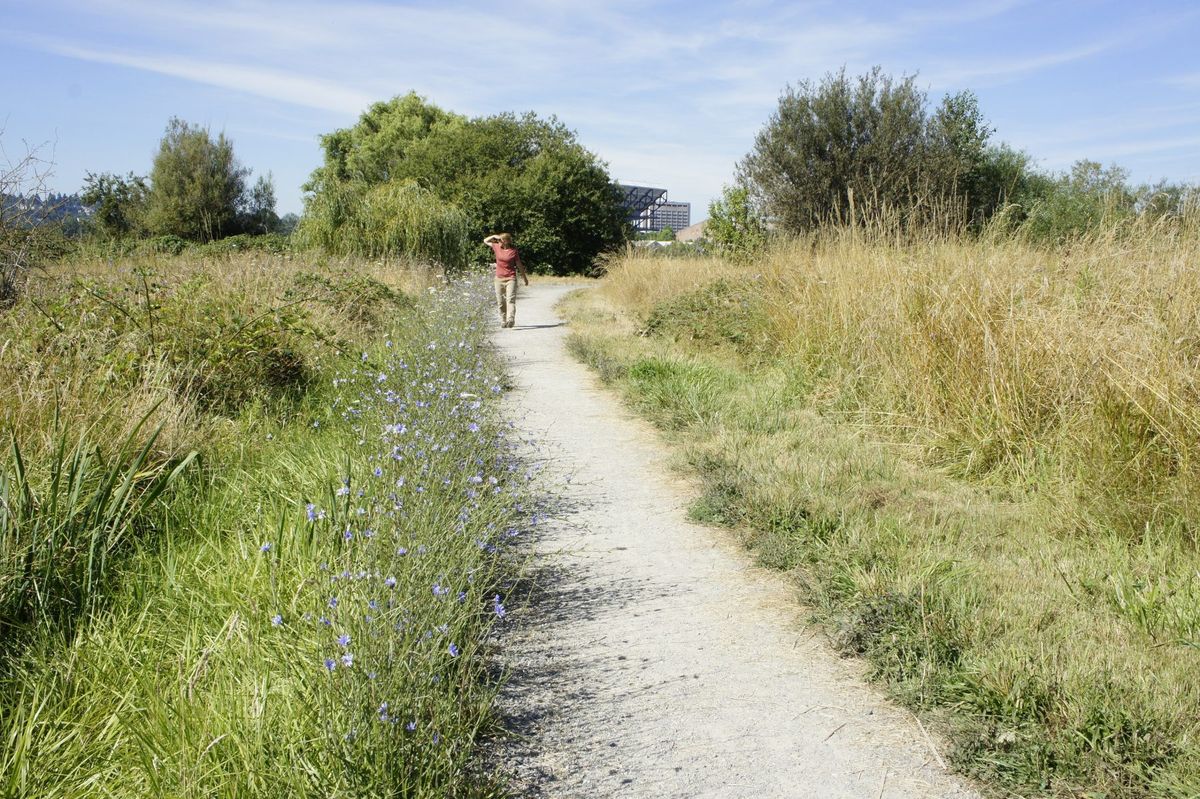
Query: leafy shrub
164, 245
356, 296
1089, 198
735, 227
852, 149
721, 312
271, 243
520, 174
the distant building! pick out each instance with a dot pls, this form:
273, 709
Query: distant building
648, 210
674, 215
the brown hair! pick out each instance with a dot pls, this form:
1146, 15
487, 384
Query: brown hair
505, 240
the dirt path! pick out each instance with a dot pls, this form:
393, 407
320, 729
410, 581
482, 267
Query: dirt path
657, 661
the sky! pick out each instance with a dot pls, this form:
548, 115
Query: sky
669, 94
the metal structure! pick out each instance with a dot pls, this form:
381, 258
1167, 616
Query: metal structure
641, 203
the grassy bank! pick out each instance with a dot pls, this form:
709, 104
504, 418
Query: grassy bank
978, 459
291, 599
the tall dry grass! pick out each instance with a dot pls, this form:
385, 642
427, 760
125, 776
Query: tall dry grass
1075, 369
1036, 596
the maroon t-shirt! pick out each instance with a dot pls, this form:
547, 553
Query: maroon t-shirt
506, 260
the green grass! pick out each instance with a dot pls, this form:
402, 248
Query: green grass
1055, 664
372, 505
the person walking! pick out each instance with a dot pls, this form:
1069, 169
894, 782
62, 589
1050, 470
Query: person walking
508, 266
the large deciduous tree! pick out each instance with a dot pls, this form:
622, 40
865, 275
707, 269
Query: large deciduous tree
515, 173
851, 148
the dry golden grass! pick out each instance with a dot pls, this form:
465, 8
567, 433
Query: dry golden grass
1079, 370
978, 458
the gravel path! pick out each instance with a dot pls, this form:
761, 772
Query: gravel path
655, 659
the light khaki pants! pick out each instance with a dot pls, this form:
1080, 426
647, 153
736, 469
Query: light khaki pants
506, 300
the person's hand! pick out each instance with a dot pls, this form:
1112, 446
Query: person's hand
526, 281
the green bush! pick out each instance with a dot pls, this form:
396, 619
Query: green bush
735, 227
519, 174
355, 296
163, 245
271, 243
1088, 199
721, 312
866, 148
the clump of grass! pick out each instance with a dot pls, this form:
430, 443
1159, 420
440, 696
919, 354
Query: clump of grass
973, 456
57, 545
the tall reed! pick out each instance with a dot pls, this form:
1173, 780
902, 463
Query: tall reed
59, 533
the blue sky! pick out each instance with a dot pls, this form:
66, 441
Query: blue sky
669, 93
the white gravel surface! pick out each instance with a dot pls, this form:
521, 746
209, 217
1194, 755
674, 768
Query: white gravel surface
655, 659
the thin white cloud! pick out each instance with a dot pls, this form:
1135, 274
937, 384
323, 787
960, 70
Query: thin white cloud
951, 75
1191, 81
1114, 149
1083, 132
274, 84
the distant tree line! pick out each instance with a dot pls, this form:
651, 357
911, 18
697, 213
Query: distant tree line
869, 150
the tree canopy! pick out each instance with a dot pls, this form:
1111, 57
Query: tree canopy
515, 173
196, 184
852, 147
198, 191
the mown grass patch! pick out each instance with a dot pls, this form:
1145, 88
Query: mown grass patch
1058, 659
